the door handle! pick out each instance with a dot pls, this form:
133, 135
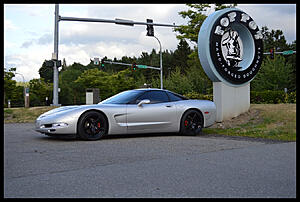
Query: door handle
168, 105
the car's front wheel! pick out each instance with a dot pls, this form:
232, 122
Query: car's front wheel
92, 125
191, 123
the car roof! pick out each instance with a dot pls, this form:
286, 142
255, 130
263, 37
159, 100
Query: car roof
148, 89
158, 89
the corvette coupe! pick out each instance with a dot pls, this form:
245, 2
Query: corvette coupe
130, 112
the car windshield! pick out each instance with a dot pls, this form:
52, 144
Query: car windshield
123, 97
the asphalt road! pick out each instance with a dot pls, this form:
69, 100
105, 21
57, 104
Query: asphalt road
143, 166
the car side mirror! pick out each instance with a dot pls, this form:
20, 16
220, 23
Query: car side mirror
146, 101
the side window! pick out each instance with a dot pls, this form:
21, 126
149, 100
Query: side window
174, 97
154, 97
143, 97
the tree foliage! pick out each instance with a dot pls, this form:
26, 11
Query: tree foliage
46, 73
108, 84
39, 90
273, 75
12, 92
196, 16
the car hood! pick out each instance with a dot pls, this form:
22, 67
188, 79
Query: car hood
60, 109
66, 109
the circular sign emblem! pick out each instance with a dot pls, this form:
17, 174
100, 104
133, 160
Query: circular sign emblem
230, 47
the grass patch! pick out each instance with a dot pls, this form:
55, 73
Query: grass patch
276, 122
24, 115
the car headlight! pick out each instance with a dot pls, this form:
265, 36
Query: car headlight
54, 125
59, 125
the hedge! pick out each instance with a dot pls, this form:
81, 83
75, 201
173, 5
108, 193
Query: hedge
199, 96
272, 97
261, 97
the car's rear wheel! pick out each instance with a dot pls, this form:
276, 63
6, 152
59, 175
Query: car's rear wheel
92, 125
191, 123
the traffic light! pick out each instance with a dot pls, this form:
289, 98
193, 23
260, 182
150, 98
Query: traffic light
58, 63
102, 63
272, 53
49, 63
150, 29
133, 67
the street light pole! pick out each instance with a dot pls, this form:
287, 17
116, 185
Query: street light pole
26, 100
161, 69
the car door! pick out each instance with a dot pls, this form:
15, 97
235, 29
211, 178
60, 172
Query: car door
157, 116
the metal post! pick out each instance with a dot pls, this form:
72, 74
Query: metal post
26, 104
161, 69
55, 58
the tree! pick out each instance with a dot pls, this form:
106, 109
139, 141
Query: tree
273, 39
273, 75
70, 92
195, 73
12, 92
196, 18
108, 84
39, 90
176, 82
291, 59
46, 73
181, 55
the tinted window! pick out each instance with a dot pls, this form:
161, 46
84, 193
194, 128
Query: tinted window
123, 97
174, 97
154, 97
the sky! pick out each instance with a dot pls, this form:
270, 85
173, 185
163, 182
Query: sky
29, 31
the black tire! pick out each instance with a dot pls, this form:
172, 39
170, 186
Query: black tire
92, 125
191, 123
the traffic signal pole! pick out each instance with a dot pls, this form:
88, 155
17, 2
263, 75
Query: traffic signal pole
55, 58
116, 21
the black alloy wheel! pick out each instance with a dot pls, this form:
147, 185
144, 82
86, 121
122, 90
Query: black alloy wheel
191, 123
92, 126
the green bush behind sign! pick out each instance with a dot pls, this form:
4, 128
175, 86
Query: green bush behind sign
256, 97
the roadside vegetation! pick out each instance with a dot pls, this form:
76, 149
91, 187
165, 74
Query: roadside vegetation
24, 115
267, 121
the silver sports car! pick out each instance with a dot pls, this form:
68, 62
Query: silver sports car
133, 111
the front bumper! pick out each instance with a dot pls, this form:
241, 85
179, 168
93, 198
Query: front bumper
53, 128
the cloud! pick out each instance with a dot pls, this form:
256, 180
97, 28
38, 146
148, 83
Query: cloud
9, 25
44, 39
275, 17
29, 62
26, 44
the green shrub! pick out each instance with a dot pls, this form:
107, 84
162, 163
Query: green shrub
272, 97
256, 97
198, 96
291, 98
